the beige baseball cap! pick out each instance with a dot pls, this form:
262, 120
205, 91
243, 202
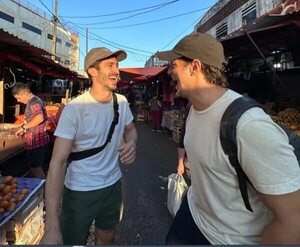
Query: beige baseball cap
101, 53
200, 46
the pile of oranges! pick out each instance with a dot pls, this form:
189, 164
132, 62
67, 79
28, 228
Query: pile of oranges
10, 194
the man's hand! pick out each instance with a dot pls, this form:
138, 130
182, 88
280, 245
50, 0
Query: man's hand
51, 237
127, 152
180, 168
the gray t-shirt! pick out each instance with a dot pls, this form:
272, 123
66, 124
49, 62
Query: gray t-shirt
266, 157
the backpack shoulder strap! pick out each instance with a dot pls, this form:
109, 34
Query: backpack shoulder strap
228, 140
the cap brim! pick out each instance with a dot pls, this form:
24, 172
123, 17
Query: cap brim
168, 55
120, 55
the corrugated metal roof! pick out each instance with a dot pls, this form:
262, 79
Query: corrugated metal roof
30, 56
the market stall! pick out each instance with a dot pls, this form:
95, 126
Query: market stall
53, 114
21, 210
173, 121
290, 118
10, 144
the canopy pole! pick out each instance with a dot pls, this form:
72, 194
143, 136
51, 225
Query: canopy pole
270, 67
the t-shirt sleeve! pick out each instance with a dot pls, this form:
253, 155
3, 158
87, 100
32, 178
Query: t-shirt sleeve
129, 116
67, 126
36, 108
267, 158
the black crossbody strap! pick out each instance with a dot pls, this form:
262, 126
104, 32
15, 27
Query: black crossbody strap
90, 152
228, 140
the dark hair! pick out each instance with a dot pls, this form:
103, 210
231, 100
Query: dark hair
212, 75
20, 87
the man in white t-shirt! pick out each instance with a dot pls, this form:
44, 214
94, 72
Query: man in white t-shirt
90, 187
213, 211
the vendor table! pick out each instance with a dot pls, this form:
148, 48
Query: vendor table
33, 185
10, 144
25, 224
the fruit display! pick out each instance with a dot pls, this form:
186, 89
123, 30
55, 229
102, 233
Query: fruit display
11, 194
290, 117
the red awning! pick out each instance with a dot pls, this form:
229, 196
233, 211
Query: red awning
140, 74
144, 71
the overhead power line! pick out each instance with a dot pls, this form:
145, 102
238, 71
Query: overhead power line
46, 7
111, 43
180, 34
124, 18
62, 25
106, 41
149, 22
119, 13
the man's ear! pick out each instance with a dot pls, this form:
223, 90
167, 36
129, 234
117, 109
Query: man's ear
92, 71
195, 66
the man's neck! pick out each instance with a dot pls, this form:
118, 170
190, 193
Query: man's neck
201, 99
101, 95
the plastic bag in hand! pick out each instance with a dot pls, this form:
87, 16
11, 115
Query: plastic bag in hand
176, 189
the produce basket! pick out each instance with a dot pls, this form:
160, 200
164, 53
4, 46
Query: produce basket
15, 192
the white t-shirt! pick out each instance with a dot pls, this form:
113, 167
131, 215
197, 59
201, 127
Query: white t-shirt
87, 123
266, 157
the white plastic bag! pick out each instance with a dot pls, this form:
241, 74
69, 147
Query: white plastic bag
176, 189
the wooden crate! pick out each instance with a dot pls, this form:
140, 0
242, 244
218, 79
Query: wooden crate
20, 232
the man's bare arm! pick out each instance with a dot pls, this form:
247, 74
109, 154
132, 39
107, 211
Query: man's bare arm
180, 160
128, 149
285, 226
54, 188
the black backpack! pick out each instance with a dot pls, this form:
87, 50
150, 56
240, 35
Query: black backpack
228, 140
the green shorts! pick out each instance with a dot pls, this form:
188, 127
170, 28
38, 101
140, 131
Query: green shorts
80, 208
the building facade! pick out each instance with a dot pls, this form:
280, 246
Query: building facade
261, 42
155, 62
227, 16
27, 22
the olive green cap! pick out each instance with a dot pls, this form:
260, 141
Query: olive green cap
200, 46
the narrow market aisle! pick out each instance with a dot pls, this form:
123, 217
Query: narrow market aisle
146, 218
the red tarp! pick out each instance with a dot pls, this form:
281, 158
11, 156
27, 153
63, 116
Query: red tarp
139, 74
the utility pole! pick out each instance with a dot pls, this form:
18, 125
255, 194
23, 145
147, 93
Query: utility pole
55, 19
86, 41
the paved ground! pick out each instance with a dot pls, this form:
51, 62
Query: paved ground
146, 218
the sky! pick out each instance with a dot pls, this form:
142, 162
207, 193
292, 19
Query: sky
140, 27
